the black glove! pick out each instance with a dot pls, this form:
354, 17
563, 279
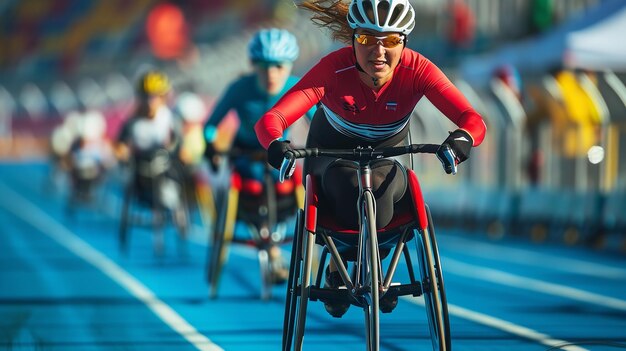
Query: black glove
276, 152
460, 142
211, 156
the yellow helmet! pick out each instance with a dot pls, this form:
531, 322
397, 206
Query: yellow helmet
154, 83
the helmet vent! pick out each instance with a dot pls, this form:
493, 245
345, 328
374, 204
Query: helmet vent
408, 17
393, 18
357, 14
369, 12
382, 15
383, 12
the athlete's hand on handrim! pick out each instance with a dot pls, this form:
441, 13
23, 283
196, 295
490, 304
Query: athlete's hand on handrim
276, 152
454, 150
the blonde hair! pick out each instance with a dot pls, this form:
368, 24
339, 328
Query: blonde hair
330, 14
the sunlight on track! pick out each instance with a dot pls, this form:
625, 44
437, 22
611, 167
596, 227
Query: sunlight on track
504, 278
504, 326
22, 208
532, 258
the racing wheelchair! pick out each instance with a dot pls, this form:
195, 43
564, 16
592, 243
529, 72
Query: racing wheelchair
368, 283
155, 183
86, 172
264, 208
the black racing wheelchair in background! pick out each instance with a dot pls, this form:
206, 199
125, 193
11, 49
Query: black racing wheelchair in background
86, 174
365, 249
156, 184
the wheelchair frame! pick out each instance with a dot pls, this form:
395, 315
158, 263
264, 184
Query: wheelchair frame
369, 283
156, 173
262, 235
83, 186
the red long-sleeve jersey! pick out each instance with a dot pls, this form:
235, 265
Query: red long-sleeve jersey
357, 111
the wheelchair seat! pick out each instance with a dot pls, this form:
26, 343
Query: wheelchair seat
346, 239
152, 167
252, 199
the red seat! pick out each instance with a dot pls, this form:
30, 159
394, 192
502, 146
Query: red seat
255, 187
407, 214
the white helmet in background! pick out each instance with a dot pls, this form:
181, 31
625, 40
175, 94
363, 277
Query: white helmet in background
382, 15
94, 125
61, 139
191, 107
273, 45
74, 123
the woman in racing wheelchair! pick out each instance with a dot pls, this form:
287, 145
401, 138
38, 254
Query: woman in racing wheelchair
272, 53
367, 92
149, 144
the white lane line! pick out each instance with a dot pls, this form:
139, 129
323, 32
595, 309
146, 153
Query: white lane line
531, 258
458, 311
20, 245
504, 326
33, 215
503, 278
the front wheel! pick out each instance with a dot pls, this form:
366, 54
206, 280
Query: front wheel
182, 221
371, 265
125, 219
293, 293
222, 236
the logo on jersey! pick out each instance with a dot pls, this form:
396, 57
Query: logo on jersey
391, 106
349, 104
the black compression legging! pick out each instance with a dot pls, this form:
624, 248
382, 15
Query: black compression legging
338, 178
340, 186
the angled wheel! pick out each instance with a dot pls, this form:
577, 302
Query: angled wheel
302, 287
270, 200
159, 212
181, 220
206, 204
371, 274
265, 262
441, 286
222, 236
293, 293
124, 220
433, 288
158, 234
181, 216
180, 211
266, 274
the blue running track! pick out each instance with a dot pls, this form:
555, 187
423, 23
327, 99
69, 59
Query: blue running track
64, 286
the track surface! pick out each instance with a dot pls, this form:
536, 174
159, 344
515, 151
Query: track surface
65, 286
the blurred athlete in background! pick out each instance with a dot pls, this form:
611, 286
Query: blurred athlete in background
272, 53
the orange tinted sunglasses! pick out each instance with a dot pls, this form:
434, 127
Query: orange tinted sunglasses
388, 41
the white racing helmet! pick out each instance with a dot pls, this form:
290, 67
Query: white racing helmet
191, 107
382, 15
273, 45
94, 125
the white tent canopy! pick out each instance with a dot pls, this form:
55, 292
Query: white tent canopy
600, 46
593, 40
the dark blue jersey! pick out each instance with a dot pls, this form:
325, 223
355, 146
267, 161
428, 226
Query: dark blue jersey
250, 102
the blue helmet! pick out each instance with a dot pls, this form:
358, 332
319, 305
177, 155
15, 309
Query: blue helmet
273, 45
